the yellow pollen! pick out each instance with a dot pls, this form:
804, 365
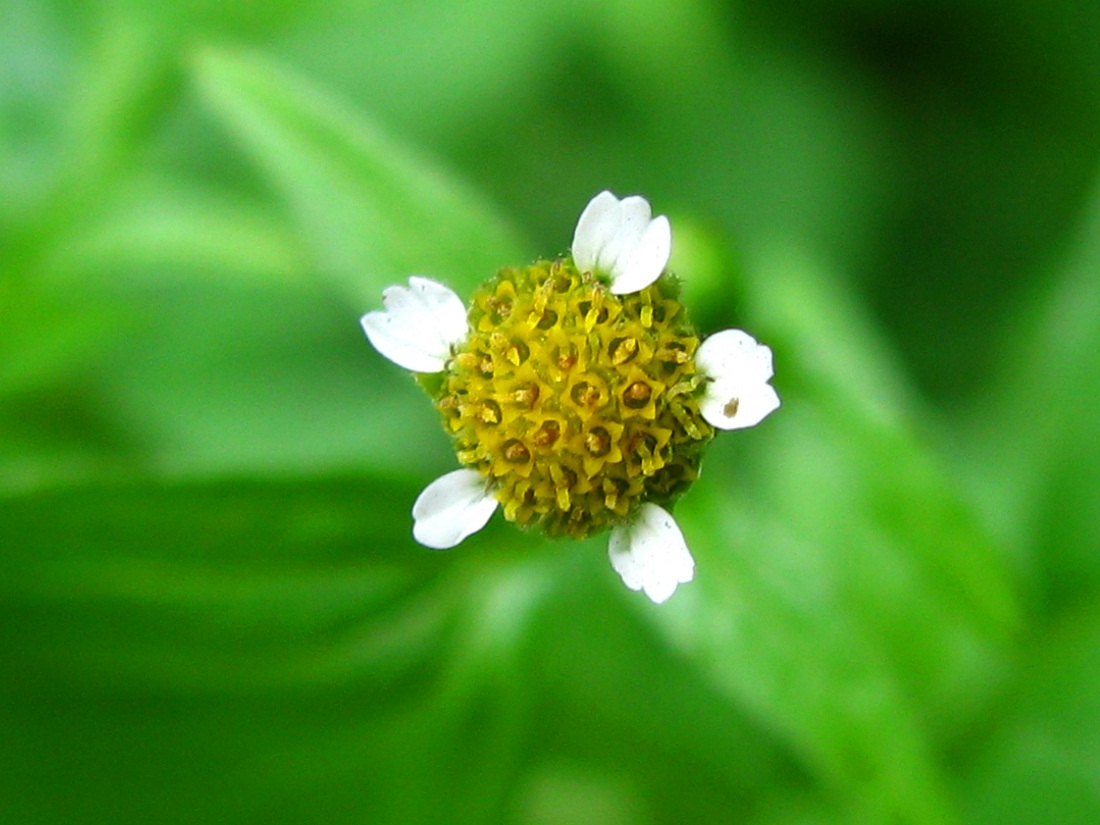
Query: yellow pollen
623, 350
547, 434
516, 452
585, 395
527, 395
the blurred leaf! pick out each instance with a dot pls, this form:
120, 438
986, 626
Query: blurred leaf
127, 86
682, 102
240, 18
138, 355
46, 336
1034, 447
628, 730
862, 449
845, 591
34, 60
158, 226
372, 211
478, 63
250, 376
989, 121
200, 586
50, 337
114, 91
239, 651
1042, 760
770, 621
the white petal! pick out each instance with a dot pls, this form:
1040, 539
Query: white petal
735, 408
646, 260
419, 325
621, 239
452, 507
738, 394
595, 228
628, 222
733, 354
650, 553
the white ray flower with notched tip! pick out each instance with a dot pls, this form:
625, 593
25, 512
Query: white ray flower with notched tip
420, 325
423, 325
737, 394
621, 239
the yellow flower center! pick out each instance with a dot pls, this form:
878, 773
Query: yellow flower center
576, 403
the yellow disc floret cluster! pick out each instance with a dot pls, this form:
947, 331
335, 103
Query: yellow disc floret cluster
575, 403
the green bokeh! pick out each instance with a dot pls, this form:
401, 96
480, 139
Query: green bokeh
211, 606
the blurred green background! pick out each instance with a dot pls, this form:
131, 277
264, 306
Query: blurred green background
211, 607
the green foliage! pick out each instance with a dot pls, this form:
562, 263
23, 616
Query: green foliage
843, 563
211, 606
363, 202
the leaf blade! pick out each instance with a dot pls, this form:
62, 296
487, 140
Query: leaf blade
372, 211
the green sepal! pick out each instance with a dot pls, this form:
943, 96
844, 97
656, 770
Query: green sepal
431, 383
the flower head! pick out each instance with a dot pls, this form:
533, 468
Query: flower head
577, 393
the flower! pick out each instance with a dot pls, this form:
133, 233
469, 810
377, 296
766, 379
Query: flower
619, 238
578, 395
739, 394
421, 325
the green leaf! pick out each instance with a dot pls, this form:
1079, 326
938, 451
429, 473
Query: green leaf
33, 62
50, 428
372, 211
217, 587
478, 66
861, 465
275, 652
160, 227
614, 747
254, 375
1042, 758
769, 620
190, 373
116, 88
1034, 449
845, 591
